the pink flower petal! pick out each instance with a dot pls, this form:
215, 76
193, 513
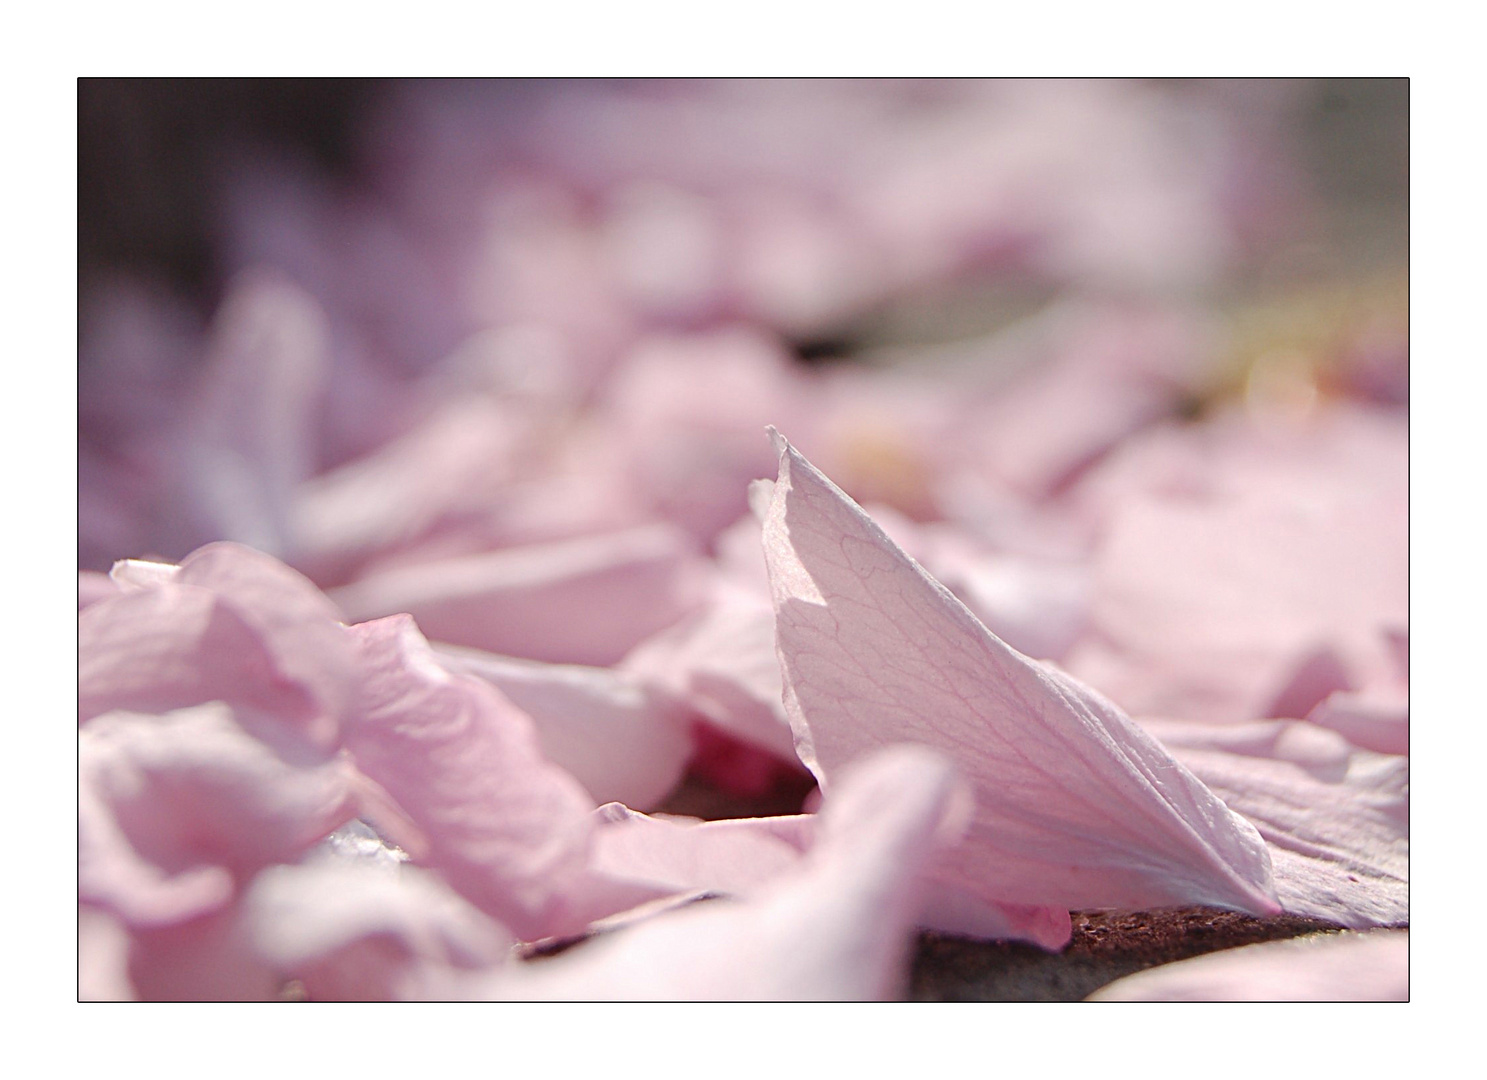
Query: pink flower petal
508, 829
1335, 818
93, 587
229, 624
1076, 807
584, 601
1247, 573
354, 932
1377, 721
623, 741
252, 429
836, 929
732, 857
102, 957
1373, 966
175, 809
721, 661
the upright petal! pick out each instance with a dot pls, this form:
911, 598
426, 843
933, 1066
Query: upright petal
1075, 805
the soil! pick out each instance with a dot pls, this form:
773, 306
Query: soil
1107, 945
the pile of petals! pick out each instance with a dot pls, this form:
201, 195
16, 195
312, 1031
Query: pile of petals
450, 627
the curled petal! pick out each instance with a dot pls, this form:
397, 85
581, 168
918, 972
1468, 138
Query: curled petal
506, 827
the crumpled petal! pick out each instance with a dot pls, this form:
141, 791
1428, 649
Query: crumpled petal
507, 828
228, 624
623, 741
837, 929
175, 810
1335, 818
1372, 966
1076, 807
583, 601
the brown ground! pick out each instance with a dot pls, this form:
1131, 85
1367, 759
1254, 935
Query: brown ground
1107, 945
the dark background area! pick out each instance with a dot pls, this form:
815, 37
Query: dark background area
148, 150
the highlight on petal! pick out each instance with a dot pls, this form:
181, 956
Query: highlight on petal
350, 931
583, 601
1335, 818
837, 929
507, 828
176, 810
1372, 966
1075, 805
622, 740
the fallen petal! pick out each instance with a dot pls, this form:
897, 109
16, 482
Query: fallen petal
1327, 967
1335, 818
507, 828
623, 741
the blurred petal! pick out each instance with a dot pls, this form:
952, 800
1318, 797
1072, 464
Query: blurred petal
838, 929
722, 662
1335, 818
1326, 967
623, 741
350, 931
1377, 721
508, 829
584, 601
1076, 807
229, 624
93, 587
252, 429
1247, 573
102, 957
175, 809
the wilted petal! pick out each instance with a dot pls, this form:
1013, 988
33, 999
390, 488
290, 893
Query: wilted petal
1076, 807
585, 601
620, 739
1335, 818
506, 827
1373, 966
836, 930
175, 809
